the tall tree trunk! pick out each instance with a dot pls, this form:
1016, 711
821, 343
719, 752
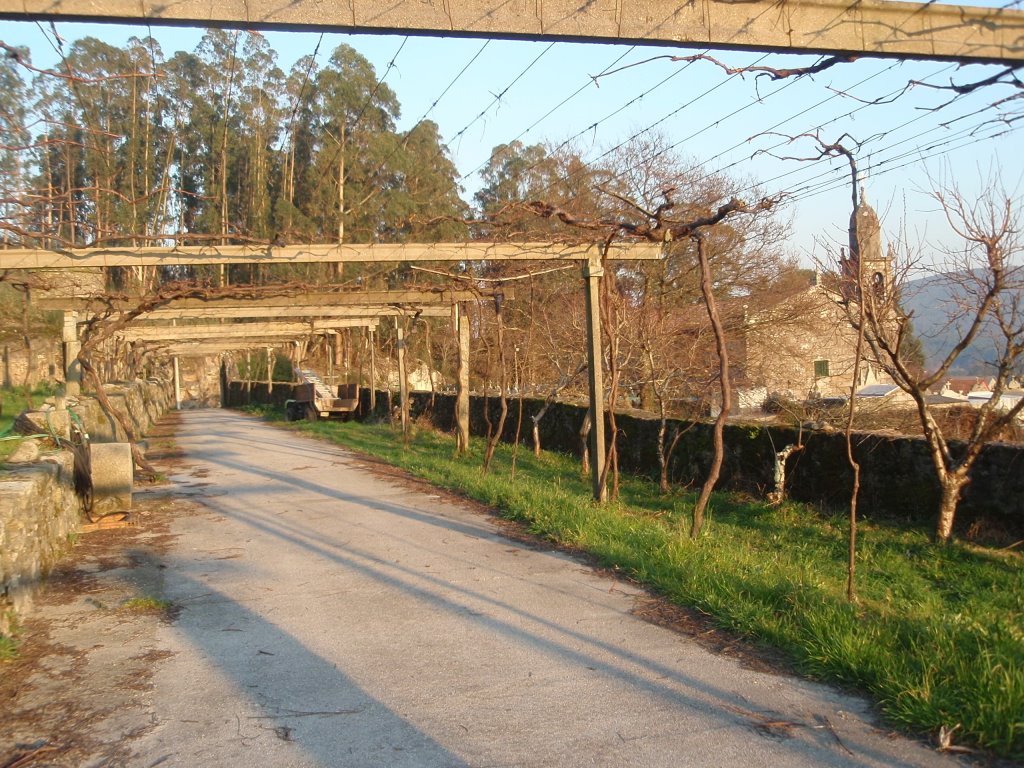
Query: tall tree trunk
548, 402
519, 430
665, 453
706, 288
584, 435
609, 319
113, 414
953, 484
494, 439
851, 565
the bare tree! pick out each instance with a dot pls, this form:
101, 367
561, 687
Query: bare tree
494, 436
989, 287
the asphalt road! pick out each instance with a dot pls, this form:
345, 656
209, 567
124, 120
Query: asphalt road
329, 615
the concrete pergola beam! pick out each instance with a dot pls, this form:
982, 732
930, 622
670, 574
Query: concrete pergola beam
404, 299
240, 330
32, 258
234, 313
908, 30
208, 349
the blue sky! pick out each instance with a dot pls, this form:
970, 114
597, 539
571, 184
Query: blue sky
718, 122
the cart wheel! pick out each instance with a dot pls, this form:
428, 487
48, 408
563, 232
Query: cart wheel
312, 414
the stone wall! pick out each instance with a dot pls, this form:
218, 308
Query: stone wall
39, 514
897, 476
44, 363
39, 511
141, 402
200, 382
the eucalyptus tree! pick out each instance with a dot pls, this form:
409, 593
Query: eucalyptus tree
260, 114
215, 117
351, 120
423, 202
516, 174
15, 141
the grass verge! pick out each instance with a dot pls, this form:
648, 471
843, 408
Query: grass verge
13, 402
936, 641
8, 648
9, 641
147, 604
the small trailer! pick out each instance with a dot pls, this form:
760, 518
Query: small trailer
315, 399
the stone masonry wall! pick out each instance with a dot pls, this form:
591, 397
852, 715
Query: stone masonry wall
18, 366
897, 476
39, 511
39, 514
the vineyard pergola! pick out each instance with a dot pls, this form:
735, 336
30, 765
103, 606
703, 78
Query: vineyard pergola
835, 27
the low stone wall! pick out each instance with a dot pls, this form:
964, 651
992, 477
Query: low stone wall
39, 514
18, 366
39, 510
897, 476
240, 393
140, 402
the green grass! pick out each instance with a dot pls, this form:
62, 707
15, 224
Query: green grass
9, 642
14, 401
8, 648
936, 640
147, 604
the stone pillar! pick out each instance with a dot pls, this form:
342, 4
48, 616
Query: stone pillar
72, 368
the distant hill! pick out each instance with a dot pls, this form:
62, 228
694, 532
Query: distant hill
939, 304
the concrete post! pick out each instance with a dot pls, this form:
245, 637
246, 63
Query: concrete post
461, 322
72, 368
177, 385
373, 372
593, 271
403, 381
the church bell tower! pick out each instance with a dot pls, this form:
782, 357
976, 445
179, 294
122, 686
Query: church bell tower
866, 256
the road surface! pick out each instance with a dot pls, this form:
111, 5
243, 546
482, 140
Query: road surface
319, 613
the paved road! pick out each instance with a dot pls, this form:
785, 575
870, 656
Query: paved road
333, 617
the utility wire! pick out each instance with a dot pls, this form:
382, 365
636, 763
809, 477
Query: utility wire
404, 142
822, 182
559, 105
450, 86
589, 163
968, 130
302, 90
593, 126
674, 112
501, 94
815, 130
912, 157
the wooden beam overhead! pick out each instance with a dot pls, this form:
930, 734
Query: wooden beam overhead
228, 313
30, 258
381, 299
240, 330
207, 349
875, 27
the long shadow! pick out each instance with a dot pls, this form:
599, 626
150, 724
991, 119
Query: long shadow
302, 697
672, 685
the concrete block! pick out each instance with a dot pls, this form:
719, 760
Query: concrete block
112, 477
